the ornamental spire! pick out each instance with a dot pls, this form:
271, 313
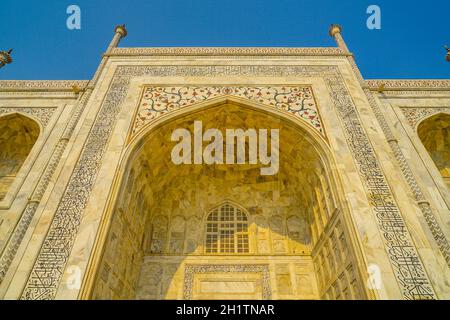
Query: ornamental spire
336, 32
5, 58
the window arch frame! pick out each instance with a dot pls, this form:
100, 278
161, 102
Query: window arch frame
27, 162
239, 227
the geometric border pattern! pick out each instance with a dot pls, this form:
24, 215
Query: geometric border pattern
50, 264
41, 85
226, 51
401, 84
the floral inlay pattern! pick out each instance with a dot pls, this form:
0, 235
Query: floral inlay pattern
299, 100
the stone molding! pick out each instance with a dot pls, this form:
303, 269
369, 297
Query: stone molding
226, 51
66, 85
402, 85
41, 85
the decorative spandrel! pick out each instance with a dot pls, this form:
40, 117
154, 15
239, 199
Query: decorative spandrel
158, 100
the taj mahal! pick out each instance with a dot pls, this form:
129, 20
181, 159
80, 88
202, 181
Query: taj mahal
92, 205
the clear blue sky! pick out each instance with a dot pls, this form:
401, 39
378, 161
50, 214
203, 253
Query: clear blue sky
409, 45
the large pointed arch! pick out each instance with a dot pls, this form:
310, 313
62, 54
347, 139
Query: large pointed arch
145, 159
18, 134
434, 132
311, 132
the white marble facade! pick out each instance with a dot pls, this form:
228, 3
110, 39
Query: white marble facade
372, 201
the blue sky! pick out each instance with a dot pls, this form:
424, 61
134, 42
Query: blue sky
409, 45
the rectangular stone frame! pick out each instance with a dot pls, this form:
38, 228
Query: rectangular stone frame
190, 270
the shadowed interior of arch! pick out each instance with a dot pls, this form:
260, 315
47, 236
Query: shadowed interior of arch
435, 135
18, 135
225, 220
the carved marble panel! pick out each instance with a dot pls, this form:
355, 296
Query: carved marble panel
192, 270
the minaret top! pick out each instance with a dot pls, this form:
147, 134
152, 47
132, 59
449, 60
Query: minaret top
5, 58
335, 28
335, 32
122, 30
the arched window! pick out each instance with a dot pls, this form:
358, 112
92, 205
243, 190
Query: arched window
18, 135
435, 135
227, 230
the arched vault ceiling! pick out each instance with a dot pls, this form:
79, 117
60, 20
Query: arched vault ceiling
203, 186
